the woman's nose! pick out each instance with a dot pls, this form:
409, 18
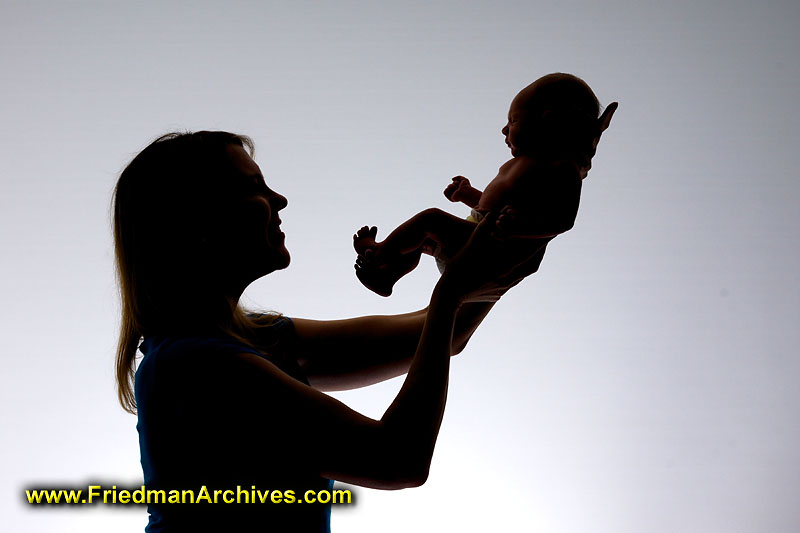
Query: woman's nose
504, 131
279, 201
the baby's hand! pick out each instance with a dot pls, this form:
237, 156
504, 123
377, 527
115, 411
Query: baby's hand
455, 191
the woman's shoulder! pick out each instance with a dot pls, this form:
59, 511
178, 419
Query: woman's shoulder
165, 348
268, 330
272, 338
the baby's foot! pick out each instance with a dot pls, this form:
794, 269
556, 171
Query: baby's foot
379, 279
364, 240
507, 222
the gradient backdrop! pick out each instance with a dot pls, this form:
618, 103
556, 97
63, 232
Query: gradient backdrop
645, 380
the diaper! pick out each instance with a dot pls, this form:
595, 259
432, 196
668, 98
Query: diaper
475, 217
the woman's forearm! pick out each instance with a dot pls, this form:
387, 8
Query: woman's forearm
357, 352
415, 416
468, 318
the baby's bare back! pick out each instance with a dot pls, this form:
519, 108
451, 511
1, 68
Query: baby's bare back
543, 194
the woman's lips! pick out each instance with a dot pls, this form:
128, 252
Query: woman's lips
276, 230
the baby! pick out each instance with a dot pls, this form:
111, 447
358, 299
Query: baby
553, 130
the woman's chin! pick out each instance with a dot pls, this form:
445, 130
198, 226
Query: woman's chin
281, 259
272, 261
285, 262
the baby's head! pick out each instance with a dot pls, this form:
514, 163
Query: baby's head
556, 117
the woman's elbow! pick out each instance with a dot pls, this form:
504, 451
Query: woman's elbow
405, 470
458, 347
407, 478
418, 477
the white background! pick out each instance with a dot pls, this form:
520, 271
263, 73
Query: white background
643, 380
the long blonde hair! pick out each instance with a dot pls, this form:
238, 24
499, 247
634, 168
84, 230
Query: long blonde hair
157, 205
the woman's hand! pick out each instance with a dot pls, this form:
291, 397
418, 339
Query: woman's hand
486, 268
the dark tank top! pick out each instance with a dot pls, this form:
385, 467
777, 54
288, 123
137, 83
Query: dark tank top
182, 449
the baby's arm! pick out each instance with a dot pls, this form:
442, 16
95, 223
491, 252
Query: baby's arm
461, 191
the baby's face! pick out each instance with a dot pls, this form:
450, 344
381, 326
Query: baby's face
519, 128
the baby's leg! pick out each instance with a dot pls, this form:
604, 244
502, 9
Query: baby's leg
381, 264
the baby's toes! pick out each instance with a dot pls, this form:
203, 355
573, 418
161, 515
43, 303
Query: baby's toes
506, 216
505, 222
367, 232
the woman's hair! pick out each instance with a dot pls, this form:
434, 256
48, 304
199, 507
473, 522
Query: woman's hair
167, 203
569, 110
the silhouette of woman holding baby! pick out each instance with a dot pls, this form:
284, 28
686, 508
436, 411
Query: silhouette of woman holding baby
231, 400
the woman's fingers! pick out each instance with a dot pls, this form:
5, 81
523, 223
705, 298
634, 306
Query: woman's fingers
475, 269
487, 267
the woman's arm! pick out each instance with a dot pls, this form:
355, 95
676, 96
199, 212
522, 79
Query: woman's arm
356, 352
248, 399
256, 402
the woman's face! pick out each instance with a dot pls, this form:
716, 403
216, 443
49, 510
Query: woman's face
253, 237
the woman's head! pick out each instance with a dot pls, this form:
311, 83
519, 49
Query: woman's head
194, 224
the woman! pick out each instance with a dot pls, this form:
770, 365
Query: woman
227, 399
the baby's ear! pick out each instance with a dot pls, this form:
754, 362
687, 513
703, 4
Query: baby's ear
549, 117
605, 119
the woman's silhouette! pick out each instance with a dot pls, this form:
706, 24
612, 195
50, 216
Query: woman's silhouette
227, 399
